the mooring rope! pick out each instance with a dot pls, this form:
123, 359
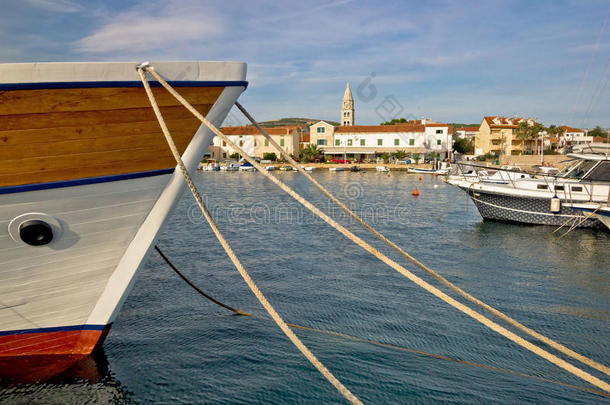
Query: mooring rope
375, 252
557, 346
374, 342
578, 221
259, 295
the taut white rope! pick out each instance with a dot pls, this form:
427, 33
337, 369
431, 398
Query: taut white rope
360, 242
557, 346
259, 295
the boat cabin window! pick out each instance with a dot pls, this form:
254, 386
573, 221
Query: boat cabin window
542, 186
599, 173
581, 169
559, 188
576, 188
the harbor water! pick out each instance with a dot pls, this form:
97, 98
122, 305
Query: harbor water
170, 345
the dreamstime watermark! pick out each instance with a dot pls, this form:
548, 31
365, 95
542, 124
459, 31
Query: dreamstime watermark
388, 108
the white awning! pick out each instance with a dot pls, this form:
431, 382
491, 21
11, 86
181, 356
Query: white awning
349, 152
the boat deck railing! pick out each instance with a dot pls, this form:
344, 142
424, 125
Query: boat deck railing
481, 173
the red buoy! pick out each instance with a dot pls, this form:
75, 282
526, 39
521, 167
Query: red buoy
419, 178
415, 193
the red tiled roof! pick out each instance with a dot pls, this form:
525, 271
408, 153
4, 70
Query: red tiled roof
468, 129
251, 130
436, 124
504, 121
380, 128
600, 139
570, 129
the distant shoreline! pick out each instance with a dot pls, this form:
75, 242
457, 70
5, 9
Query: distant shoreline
391, 166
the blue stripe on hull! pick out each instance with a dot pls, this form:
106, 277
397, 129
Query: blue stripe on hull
53, 329
81, 182
89, 85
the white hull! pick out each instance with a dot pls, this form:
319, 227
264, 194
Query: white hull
79, 281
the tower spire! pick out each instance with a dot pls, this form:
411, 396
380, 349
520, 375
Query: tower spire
348, 94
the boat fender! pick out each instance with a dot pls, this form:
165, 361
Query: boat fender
555, 204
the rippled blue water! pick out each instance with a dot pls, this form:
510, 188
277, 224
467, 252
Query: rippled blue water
169, 345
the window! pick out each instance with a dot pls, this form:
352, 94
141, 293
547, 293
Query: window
345, 122
396, 141
241, 143
439, 131
362, 142
224, 155
559, 188
266, 142
576, 188
600, 173
255, 142
224, 143
542, 186
281, 141
337, 142
379, 142
321, 142
349, 142
321, 130
438, 141
411, 142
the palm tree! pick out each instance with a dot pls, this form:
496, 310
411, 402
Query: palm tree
556, 131
311, 151
523, 132
526, 131
399, 154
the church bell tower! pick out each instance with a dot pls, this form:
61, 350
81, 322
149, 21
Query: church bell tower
347, 109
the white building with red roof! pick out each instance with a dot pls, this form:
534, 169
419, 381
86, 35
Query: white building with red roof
574, 136
365, 142
250, 140
467, 132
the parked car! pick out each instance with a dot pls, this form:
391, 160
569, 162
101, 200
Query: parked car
342, 161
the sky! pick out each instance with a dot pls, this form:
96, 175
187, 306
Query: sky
450, 61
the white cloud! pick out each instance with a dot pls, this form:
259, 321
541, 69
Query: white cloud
60, 6
134, 32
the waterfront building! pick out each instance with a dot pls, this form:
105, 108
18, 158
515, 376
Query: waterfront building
254, 144
321, 134
498, 135
365, 142
574, 136
467, 132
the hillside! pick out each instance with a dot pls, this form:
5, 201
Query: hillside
294, 121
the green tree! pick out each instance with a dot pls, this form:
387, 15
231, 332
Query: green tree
597, 131
234, 156
526, 131
311, 152
395, 121
399, 154
270, 156
463, 145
